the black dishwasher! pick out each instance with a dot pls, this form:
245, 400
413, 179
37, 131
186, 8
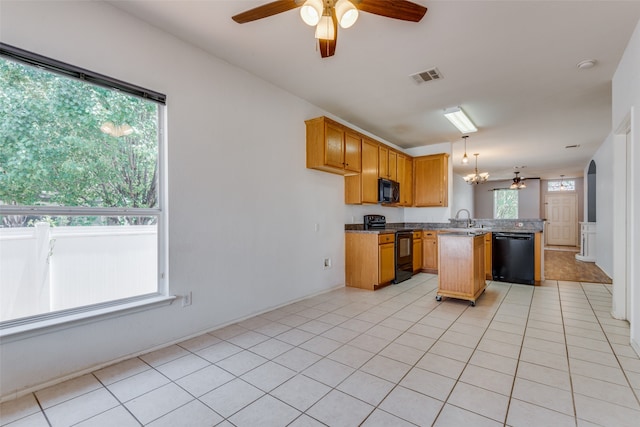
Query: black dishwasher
513, 258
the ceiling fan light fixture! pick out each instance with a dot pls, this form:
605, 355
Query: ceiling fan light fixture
325, 29
460, 120
346, 13
311, 12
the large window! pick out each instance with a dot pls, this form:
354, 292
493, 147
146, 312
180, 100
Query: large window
81, 206
505, 204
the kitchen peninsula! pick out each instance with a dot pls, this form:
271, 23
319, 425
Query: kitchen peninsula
461, 265
369, 260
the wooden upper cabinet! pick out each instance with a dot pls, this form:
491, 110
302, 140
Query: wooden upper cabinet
387, 163
405, 178
363, 188
430, 174
352, 152
331, 147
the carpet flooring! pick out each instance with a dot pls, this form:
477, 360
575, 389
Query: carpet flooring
562, 265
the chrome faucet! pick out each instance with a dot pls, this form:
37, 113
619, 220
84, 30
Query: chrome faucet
468, 216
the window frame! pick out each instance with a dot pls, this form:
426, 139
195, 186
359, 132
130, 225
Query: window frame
37, 324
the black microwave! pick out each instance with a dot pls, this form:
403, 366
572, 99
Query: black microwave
388, 191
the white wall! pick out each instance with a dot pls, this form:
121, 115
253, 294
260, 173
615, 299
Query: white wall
240, 176
604, 205
462, 197
626, 109
528, 198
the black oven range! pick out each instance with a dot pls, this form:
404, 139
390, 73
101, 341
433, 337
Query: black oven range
403, 246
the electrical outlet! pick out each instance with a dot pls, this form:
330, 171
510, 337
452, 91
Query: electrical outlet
187, 299
327, 263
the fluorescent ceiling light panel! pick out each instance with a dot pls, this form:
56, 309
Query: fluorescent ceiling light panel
460, 120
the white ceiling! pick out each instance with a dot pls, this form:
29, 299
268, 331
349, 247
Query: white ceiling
511, 65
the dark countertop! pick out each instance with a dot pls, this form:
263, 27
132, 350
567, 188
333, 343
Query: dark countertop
483, 225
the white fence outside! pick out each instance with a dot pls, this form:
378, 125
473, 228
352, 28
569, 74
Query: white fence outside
45, 269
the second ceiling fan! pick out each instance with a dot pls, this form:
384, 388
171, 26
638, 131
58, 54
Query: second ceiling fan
326, 15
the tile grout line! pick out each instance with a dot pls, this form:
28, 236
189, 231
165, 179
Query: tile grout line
624, 372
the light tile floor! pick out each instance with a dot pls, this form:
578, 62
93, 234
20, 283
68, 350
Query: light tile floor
523, 356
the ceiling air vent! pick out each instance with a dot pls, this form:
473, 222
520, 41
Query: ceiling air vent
572, 146
427, 76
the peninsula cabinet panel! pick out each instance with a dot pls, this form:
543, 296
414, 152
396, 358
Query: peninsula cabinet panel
331, 147
363, 188
488, 251
369, 260
430, 180
461, 267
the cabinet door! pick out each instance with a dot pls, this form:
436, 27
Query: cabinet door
369, 171
430, 251
334, 149
386, 263
417, 252
352, 152
383, 162
430, 180
405, 178
393, 165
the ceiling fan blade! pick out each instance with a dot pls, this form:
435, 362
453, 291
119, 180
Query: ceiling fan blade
328, 47
265, 10
398, 9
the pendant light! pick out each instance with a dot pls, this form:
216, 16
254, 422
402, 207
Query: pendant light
562, 187
477, 178
465, 159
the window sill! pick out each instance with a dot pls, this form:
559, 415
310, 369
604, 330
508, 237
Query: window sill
20, 332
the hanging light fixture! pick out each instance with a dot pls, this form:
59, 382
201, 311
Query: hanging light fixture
518, 183
325, 29
311, 12
562, 187
477, 178
319, 13
346, 13
465, 159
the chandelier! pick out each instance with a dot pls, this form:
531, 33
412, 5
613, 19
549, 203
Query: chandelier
477, 178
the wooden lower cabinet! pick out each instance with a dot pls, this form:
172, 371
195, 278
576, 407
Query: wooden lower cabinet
538, 266
461, 266
430, 251
417, 251
369, 260
488, 243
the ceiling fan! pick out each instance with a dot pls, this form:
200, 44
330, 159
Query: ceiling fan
518, 183
325, 15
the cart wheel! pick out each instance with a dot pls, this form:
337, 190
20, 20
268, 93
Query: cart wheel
472, 303
438, 298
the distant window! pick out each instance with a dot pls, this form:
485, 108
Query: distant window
505, 204
562, 185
